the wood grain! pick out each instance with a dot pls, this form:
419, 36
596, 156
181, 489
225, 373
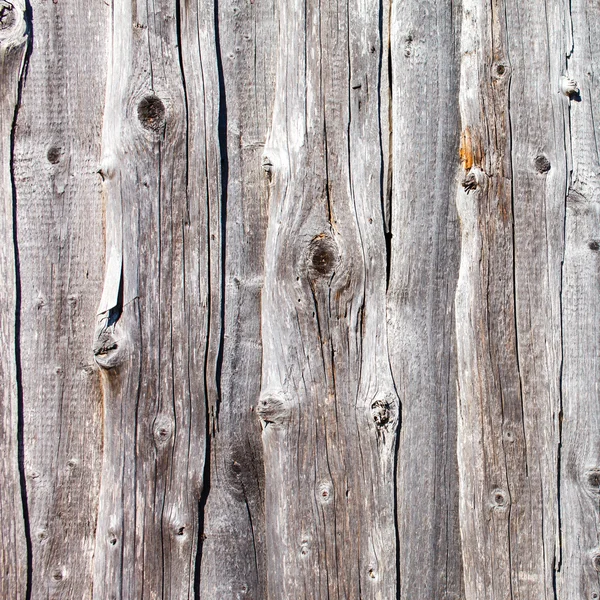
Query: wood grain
580, 455
508, 298
328, 405
13, 552
424, 252
234, 550
155, 341
59, 226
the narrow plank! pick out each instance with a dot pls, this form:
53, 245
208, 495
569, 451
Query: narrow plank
424, 268
155, 342
328, 404
60, 239
580, 455
234, 549
508, 297
532, 62
13, 552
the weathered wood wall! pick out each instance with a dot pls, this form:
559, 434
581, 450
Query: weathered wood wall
300, 299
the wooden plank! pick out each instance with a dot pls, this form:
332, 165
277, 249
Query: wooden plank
234, 550
59, 225
157, 340
328, 404
13, 553
508, 297
580, 456
424, 253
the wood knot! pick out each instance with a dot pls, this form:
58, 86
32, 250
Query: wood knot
596, 561
325, 493
274, 409
470, 182
151, 113
53, 155
305, 545
592, 478
108, 351
499, 70
322, 257
381, 412
42, 535
8, 15
569, 87
267, 165
499, 498
542, 164
162, 430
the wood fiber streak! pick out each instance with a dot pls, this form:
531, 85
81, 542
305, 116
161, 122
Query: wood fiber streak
234, 549
155, 340
425, 248
13, 550
59, 225
508, 321
328, 404
580, 455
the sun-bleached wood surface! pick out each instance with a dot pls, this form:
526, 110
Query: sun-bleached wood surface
299, 300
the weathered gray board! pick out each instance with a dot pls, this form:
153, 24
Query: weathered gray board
299, 299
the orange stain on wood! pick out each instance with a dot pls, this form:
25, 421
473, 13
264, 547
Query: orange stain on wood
466, 149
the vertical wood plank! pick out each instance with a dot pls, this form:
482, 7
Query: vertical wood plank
328, 404
234, 550
424, 268
59, 210
508, 296
156, 339
13, 550
580, 456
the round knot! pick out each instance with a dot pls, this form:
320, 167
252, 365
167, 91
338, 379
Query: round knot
273, 409
322, 257
380, 411
162, 429
151, 113
499, 498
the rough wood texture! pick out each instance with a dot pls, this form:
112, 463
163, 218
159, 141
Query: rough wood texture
511, 207
234, 550
424, 268
278, 195
13, 552
580, 456
59, 210
328, 404
154, 341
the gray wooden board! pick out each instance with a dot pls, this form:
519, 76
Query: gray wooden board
510, 195
283, 402
424, 268
155, 341
60, 240
580, 455
328, 404
234, 551
13, 551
